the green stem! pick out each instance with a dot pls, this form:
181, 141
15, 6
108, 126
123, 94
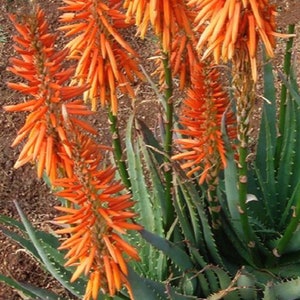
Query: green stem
284, 94
245, 95
212, 196
249, 236
242, 188
168, 141
118, 152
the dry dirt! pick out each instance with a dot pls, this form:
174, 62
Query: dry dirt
22, 184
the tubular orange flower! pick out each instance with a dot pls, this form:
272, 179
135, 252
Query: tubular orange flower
167, 17
98, 214
201, 116
105, 60
171, 21
184, 61
41, 66
235, 24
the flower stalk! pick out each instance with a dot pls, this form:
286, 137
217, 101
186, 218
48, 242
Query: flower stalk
168, 140
118, 150
245, 95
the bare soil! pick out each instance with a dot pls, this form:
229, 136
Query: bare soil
22, 184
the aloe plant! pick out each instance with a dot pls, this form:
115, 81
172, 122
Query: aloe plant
193, 214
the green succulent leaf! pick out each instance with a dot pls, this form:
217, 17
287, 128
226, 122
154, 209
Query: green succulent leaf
288, 290
149, 139
26, 294
60, 273
138, 183
174, 252
289, 267
12, 222
23, 242
264, 162
148, 204
41, 293
147, 289
187, 215
46, 237
231, 202
247, 286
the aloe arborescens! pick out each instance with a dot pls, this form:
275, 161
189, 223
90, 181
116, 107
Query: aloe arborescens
214, 223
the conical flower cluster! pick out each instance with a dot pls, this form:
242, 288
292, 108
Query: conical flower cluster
98, 210
235, 26
104, 59
166, 17
44, 82
172, 23
183, 61
201, 116
96, 217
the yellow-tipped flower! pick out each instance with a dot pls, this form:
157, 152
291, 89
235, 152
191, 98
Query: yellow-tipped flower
105, 60
97, 216
229, 27
166, 17
45, 81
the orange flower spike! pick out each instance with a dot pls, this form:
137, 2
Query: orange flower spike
49, 153
167, 13
109, 275
63, 138
26, 106
121, 261
41, 66
112, 60
221, 20
25, 160
252, 36
92, 222
110, 247
116, 275
96, 285
41, 160
79, 270
230, 29
101, 33
235, 21
41, 136
91, 257
201, 118
130, 250
28, 147
257, 15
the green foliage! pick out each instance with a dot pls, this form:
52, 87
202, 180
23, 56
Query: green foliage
194, 247
288, 290
43, 246
182, 255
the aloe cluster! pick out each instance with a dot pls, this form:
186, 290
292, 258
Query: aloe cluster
253, 253
196, 260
